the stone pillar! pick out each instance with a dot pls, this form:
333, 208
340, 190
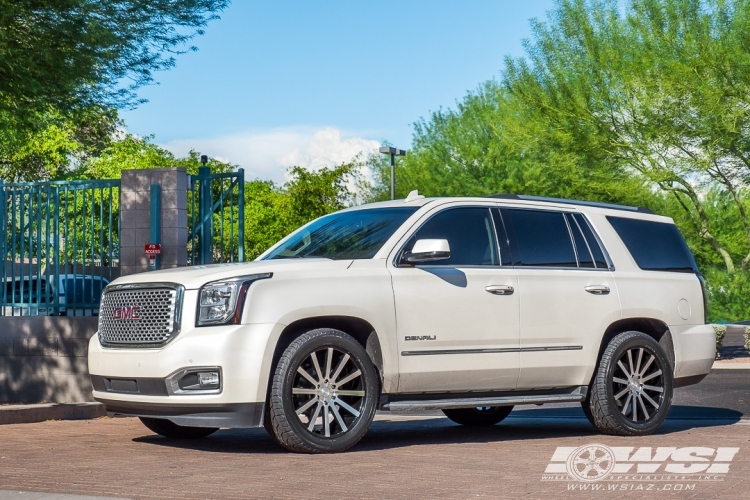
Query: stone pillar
135, 204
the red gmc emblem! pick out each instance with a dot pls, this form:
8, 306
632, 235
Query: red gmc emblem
127, 312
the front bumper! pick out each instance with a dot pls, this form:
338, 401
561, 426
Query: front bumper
241, 352
200, 415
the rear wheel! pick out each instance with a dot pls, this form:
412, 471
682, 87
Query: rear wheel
169, 429
324, 393
632, 389
478, 417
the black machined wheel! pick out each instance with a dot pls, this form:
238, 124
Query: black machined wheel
632, 389
638, 383
478, 417
323, 394
169, 429
328, 395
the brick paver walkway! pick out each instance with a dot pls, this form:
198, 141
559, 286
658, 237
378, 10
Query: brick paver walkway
407, 457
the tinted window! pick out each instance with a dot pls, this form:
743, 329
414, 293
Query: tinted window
593, 243
358, 234
655, 246
470, 234
541, 238
582, 248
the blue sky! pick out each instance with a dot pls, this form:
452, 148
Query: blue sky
277, 83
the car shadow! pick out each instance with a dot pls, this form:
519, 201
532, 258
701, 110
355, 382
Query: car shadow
396, 431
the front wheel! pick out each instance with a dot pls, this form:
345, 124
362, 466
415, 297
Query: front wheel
169, 429
632, 389
480, 416
324, 393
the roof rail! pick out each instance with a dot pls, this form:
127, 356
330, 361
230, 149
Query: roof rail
596, 204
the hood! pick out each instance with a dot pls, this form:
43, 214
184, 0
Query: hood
196, 276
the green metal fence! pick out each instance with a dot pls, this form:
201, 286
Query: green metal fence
216, 217
60, 247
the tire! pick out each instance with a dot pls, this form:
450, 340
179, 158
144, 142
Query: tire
478, 417
330, 406
631, 392
169, 429
586, 406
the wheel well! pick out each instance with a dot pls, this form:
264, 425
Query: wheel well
654, 328
361, 330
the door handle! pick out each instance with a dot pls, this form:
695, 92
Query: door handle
500, 289
597, 289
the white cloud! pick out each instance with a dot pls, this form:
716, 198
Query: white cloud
267, 154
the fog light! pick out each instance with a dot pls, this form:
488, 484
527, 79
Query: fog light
198, 380
208, 380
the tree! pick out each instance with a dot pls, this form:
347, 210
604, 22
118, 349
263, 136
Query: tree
57, 146
272, 211
68, 55
495, 143
664, 91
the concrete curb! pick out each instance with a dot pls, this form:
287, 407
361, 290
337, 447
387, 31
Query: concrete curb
731, 365
25, 414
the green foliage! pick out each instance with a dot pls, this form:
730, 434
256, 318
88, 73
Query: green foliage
132, 152
727, 295
65, 66
721, 331
493, 143
72, 54
50, 151
272, 211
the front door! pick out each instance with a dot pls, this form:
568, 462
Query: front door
457, 318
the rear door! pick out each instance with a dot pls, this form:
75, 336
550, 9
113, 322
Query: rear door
568, 295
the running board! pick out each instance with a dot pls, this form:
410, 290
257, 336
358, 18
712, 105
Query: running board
577, 395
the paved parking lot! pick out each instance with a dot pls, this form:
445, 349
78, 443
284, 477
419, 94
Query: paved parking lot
403, 456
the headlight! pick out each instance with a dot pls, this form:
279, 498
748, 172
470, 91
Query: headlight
221, 302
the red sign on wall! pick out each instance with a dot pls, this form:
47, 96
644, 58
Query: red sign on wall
153, 249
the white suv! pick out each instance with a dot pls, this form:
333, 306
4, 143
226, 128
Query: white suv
467, 305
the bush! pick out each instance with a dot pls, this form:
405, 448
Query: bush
720, 330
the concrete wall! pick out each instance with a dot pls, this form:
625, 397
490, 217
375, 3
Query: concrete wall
44, 359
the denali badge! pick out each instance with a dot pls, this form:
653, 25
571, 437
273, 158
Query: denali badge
127, 312
420, 337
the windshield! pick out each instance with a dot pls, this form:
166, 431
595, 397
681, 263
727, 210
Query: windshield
358, 234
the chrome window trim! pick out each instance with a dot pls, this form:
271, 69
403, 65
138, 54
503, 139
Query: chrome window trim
598, 241
568, 218
176, 325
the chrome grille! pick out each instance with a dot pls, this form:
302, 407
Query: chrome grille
157, 309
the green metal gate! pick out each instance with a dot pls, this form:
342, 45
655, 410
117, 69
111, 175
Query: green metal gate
216, 215
60, 246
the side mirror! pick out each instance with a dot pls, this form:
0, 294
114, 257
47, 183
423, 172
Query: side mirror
426, 250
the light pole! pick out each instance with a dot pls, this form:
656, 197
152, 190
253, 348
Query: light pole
394, 152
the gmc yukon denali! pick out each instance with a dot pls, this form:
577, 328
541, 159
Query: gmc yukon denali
467, 305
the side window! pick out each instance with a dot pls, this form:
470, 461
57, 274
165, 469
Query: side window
470, 233
655, 246
541, 238
593, 243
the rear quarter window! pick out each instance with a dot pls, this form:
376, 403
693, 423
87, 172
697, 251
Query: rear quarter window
655, 246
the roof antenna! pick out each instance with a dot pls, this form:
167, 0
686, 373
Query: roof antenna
414, 195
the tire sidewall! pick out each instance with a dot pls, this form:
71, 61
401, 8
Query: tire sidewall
339, 340
639, 340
